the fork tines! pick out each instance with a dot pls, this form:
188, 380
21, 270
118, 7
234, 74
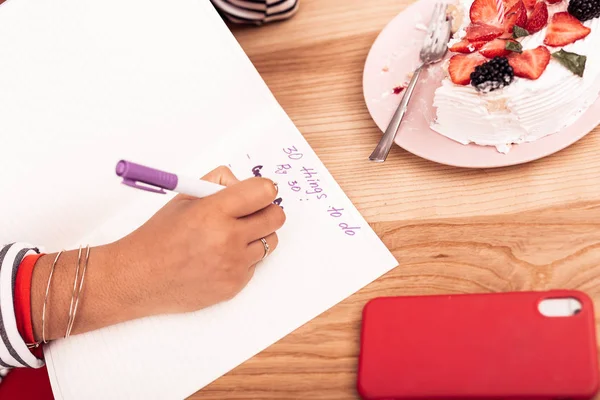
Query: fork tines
439, 28
438, 16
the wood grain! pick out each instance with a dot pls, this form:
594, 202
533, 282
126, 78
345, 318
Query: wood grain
534, 226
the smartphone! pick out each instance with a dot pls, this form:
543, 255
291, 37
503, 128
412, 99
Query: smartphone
522, 345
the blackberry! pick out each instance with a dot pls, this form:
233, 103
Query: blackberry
584, 9
493, 75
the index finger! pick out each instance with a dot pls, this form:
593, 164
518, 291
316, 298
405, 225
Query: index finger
246, 197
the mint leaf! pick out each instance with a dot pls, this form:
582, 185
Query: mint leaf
513, 46
519, 32
572, 61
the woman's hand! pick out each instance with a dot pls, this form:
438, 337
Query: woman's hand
197, 252
191, 254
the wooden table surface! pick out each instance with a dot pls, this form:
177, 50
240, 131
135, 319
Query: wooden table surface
534, 226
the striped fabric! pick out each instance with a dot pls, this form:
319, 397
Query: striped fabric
13, 349
256, 11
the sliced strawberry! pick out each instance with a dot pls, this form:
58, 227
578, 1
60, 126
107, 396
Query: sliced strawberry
508, 4
538, 19
529, 4
466, 47
553, 1
483, 33
495, 48
565, 29
517, 15
484, 12
461, 66
530, 64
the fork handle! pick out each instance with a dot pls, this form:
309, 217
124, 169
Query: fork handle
385, 144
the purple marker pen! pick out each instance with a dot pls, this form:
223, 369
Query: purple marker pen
153, 180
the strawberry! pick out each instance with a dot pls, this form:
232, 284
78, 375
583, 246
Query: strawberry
538, 19
495, 48
500, 48
565, 29
508, 4
466, 47
553, 1
530, 64
517, 15
484, 12
482, 33
461, 66
529, 4
506, 36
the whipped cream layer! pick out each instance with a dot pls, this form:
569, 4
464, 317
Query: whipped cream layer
526, 110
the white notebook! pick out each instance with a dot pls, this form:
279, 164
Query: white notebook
84, 83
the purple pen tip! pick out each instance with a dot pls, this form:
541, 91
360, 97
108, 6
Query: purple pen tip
121, 167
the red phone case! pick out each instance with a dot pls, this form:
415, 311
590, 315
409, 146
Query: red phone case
480, 346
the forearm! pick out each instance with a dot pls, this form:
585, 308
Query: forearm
103, 300
191, 254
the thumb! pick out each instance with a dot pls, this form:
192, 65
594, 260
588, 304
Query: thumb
222, 176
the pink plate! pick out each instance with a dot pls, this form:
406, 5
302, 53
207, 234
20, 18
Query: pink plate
394, 55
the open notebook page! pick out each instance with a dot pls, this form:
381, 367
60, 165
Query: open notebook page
85, 83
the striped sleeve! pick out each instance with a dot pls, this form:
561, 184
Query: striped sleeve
13, 349
256, 11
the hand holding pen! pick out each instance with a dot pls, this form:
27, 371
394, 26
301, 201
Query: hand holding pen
237, 229
193, 253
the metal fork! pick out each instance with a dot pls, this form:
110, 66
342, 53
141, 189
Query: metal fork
434, 48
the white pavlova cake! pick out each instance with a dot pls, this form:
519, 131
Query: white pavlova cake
520, 70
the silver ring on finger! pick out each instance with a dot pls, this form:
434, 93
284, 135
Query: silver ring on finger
267, 248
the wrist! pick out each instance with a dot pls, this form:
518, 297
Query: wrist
99, 304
